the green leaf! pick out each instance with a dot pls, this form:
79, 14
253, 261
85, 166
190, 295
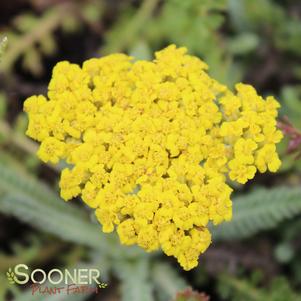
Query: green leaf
24, 43
93, 11
167, 281
243, 43
48, 44
25, 22
13, 180
3, 45
232, 288
49, 219
129, 27
32, 61
32, 202
260, 210
135, 278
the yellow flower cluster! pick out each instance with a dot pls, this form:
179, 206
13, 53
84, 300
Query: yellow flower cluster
151, 144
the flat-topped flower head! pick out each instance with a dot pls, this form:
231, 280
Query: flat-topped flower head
152, 144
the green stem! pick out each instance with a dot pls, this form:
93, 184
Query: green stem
133, 27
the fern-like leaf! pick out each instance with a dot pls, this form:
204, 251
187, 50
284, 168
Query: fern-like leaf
167, 281
260, 210
135, 279
47, 218
34, 203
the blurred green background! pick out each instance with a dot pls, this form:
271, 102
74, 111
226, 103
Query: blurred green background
255, 257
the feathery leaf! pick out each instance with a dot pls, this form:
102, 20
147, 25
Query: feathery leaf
261, 209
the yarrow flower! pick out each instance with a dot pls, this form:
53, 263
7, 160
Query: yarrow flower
152, 145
